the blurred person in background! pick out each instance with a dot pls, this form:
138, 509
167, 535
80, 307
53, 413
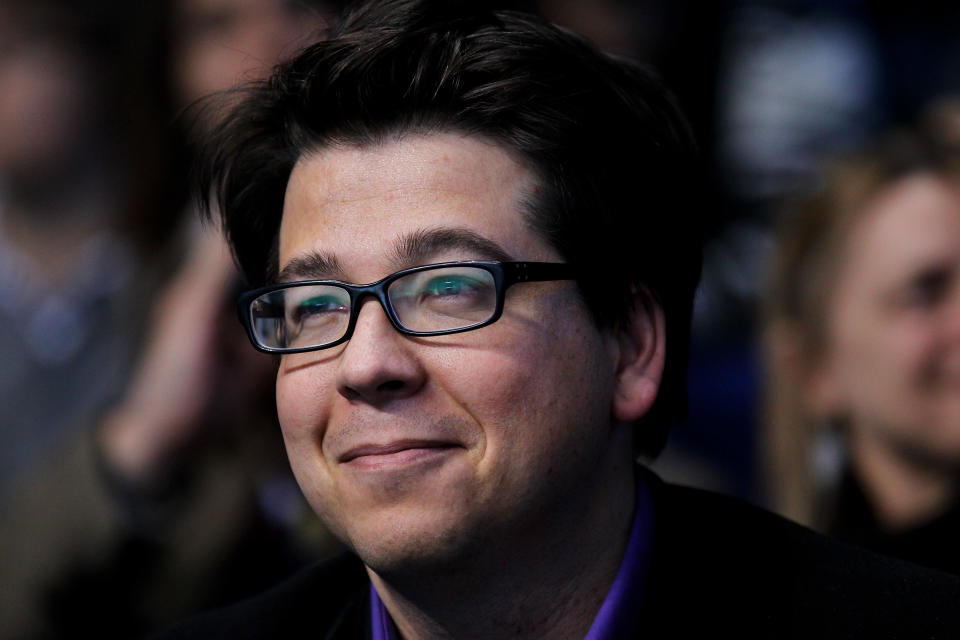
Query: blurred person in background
793, 82
863, 350
169, 491
69, 260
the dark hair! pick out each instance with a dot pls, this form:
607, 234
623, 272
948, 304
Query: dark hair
613, 154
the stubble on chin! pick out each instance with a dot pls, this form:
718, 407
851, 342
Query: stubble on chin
407, 522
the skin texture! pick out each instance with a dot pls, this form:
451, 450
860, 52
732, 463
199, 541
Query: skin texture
892, 367
506, 444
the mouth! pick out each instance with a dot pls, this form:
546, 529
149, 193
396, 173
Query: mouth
396, 454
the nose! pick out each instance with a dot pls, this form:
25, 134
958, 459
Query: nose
378, 364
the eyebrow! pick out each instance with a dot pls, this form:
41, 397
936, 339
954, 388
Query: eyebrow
412, 249
315, 265
416, 248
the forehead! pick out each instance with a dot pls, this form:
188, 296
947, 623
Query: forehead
907, 227
358, 204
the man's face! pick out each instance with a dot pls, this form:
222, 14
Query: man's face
419, 450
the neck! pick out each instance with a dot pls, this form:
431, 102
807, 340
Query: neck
550, 583
905, 488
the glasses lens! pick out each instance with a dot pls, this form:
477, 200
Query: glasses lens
300, 317
444, 298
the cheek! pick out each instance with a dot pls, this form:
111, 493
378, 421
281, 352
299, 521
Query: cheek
303, 415
530, 397
918, 346
884, 371
301, 403
897, 360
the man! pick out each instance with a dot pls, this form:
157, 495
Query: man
479, 243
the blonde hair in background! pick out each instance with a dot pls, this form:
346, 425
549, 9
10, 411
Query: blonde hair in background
810, 245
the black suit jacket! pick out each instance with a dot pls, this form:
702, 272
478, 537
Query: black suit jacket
718, 566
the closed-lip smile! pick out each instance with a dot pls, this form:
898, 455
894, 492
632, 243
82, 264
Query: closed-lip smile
391, 449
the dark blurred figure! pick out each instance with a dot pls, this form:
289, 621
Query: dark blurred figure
70, 266
863, 346
170, 492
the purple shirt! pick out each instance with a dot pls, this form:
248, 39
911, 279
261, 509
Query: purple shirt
617, 617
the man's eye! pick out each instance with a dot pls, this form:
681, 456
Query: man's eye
316, 306
449, 286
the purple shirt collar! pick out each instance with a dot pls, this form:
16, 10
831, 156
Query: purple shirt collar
382, 624
617, 617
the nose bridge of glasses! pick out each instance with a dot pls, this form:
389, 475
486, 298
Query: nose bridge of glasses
377, 291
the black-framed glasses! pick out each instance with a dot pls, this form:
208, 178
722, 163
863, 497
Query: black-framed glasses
431, 300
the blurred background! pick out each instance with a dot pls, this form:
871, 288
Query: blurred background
142, 476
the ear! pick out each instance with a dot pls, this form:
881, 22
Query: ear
641, 354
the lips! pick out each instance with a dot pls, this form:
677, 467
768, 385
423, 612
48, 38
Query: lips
396, 449
396, 444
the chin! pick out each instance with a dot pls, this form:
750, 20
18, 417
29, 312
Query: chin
402, 558
419, 544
